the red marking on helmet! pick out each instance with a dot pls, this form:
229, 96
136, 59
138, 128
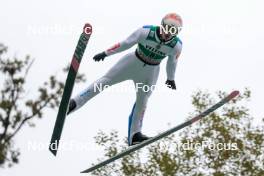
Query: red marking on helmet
114, 47
174, 17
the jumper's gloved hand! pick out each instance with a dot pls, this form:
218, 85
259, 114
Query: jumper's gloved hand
100, 56
171, 84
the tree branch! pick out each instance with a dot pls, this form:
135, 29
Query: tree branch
9, 110
28, 118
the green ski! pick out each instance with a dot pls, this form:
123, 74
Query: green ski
76, 60
164, 134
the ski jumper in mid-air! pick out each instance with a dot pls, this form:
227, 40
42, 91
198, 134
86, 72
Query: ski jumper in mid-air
154, 43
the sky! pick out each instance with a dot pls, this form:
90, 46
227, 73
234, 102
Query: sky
222, 50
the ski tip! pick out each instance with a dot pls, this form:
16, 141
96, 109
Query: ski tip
87, 29
89, 170
85, 171
54, 152
234, 94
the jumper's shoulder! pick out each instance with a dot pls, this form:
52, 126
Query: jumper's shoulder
150, 27
178, 40
144, 30
176, 45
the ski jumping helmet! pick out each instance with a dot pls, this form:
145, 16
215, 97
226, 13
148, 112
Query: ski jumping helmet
172, 23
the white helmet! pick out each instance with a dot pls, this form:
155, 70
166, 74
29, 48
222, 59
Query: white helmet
172, 20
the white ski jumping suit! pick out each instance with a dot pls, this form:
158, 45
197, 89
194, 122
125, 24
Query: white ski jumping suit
141, 66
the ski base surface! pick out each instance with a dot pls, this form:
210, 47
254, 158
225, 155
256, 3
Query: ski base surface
164, 134
76, 60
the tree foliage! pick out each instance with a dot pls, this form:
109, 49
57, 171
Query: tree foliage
16, 108
227, 142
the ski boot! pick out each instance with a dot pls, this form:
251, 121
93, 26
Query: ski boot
138, 138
